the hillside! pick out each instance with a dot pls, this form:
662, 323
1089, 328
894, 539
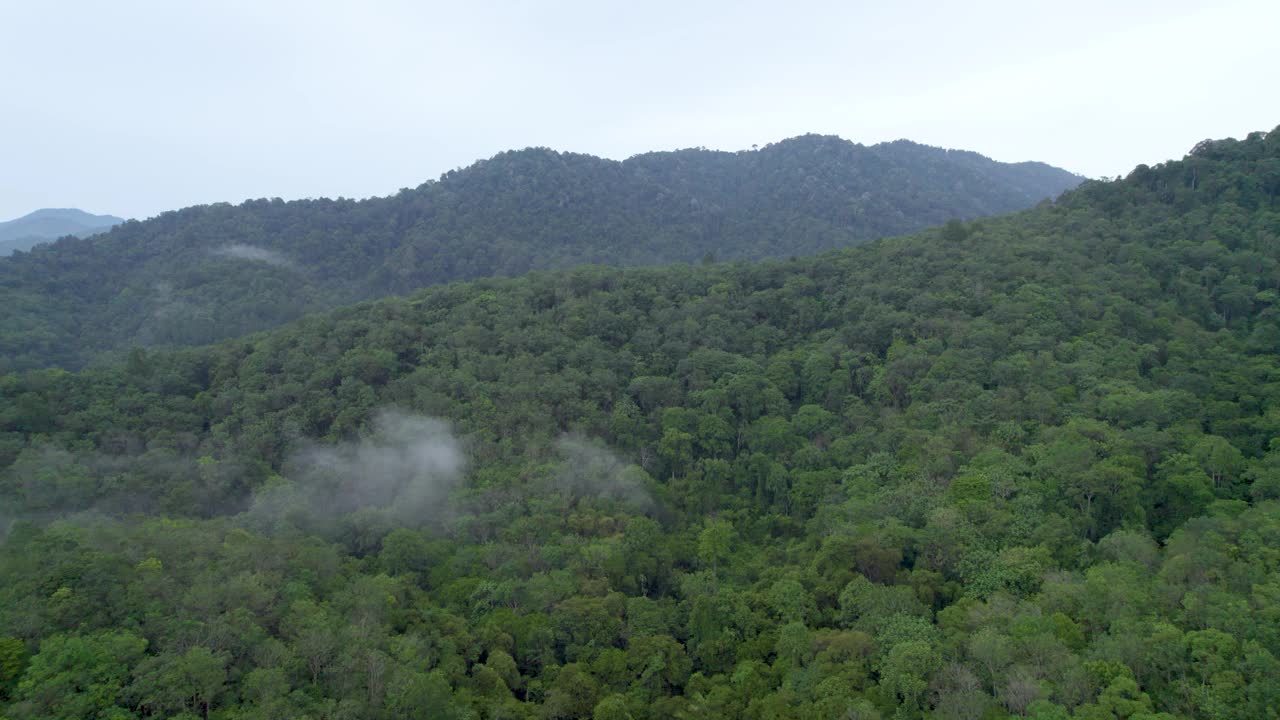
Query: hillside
205, 273
1019, 467
49, 224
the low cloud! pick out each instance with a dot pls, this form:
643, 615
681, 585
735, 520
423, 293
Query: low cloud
400, 474
589, 469
252, 253
404, 470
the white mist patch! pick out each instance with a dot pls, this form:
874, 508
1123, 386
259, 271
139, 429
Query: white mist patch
253, 253
406, 468
590, 470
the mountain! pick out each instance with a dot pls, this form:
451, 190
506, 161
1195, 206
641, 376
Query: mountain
1025, 466
49, 224
205, 273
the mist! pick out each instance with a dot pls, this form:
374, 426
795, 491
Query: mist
404, 470
589, 469
241, 251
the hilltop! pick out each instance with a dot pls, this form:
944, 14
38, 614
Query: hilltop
205, 273
49, 224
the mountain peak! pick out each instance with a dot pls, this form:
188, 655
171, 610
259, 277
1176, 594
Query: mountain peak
49, 224
521, 210
74, 214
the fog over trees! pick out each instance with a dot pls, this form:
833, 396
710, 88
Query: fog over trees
1024, 466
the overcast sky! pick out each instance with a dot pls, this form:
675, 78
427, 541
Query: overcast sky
133, 108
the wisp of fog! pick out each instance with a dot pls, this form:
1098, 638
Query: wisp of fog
405, 467
588, 469
240, 251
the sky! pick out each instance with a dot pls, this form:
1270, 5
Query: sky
133, 108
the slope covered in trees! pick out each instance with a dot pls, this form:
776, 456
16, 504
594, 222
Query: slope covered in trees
211, 272
1021, 467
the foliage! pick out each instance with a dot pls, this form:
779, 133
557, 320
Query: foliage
212, 272
1028, 469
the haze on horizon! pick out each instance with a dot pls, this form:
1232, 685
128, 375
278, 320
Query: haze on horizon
133, 107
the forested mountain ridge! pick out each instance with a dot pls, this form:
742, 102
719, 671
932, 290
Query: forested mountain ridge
49, 224
210, 272
1019, 467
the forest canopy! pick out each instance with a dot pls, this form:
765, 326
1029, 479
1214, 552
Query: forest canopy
1025, 466
212, 272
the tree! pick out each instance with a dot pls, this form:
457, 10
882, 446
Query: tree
1183, 491
175, 683
676, 448
572, 695
714, 544
13, 660
74, 676
906, 672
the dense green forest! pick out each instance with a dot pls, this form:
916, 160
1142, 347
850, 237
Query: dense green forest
212, 272
1026, 466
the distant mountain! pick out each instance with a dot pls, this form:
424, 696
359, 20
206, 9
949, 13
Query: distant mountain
217, 271
50, 224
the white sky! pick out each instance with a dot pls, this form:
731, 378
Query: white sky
132, 107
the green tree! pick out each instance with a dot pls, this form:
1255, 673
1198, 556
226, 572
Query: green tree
715, 543
906, 672
76, 676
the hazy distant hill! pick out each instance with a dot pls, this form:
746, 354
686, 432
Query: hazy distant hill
50, 224
216, 271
